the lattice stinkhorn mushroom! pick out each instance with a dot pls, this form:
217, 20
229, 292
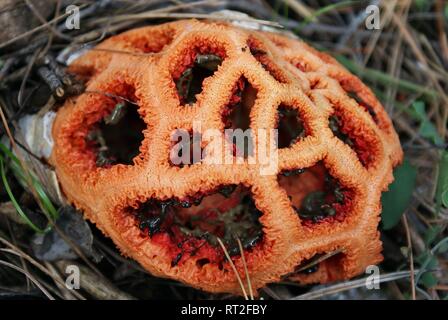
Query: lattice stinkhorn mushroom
336, 151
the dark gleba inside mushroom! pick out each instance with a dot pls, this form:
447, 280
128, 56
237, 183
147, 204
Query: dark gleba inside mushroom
315, 194
193, 225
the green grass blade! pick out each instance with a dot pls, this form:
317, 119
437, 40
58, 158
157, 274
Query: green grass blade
48, 208
442, 182
384, 78
19, 210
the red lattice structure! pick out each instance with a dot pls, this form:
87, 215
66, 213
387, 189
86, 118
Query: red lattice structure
152, 210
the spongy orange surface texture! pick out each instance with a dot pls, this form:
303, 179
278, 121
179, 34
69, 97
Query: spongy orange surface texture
143, 66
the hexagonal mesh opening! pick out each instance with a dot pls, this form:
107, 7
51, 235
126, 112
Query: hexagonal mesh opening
350, 89
190, 227
117, 136
259, 52
236, 117
364, 143
198, 64
315, 194
290, 126
302, 64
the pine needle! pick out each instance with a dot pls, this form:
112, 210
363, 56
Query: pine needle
233, 268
